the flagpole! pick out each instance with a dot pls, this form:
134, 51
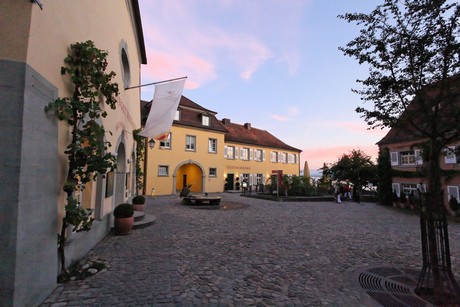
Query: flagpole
153, 83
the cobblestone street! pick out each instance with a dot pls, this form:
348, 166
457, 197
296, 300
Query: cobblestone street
266, 253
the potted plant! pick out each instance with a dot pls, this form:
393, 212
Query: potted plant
124, 218
395, 198
402, 199
138, 203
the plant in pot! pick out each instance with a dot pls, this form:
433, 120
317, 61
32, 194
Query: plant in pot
402, 199
138, 203
395, 198
124, 218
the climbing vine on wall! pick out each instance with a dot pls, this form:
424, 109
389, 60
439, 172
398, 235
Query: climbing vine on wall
87, 155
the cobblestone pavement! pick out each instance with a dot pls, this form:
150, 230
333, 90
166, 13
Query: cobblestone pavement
266, 254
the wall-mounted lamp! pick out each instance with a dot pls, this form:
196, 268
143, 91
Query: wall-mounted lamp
128, 160
151, 143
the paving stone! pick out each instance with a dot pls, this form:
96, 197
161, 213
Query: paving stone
265, 254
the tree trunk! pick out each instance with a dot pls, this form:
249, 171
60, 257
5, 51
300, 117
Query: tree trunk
435, 240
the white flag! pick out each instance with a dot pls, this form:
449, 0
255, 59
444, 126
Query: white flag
163, 108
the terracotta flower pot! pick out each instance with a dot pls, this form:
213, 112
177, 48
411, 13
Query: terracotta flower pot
123, 226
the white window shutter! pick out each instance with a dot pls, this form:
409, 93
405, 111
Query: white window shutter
225, 151
394, 158
263, 155
395, 188
418, 157
236, 152
250, 154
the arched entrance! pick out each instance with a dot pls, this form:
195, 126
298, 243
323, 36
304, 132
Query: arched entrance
189, 173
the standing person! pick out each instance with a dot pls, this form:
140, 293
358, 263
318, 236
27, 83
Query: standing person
358, 196
337, 193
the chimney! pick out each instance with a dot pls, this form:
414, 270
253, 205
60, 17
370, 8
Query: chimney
247, 126
226, 121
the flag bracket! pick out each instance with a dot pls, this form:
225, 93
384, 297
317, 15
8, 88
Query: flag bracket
153, 83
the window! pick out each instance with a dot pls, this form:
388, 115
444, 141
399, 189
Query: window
452, 155
177, 115
274, 156
231, 152
282, 157
125, 70
212, 145
166, 143
259, 179
244, 154
407, 158
205, 120
409, 188
452, 192
258, 155
190, 143
212, 172
163, 170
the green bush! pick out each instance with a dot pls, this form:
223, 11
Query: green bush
402, 197
123, 211
138, 200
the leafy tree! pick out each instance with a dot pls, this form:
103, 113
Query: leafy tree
384, 177
412, 49
357, 167
87, 154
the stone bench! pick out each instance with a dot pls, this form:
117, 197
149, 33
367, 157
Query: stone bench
202, 200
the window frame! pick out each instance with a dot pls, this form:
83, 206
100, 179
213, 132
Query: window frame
244, 153
256, 157
407, 158
166, 142
209, 145
205, 120
189, 144
232, 150
215, 172
274, 156
166, 168
177, 115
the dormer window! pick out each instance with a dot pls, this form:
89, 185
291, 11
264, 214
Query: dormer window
177, 115
205, 120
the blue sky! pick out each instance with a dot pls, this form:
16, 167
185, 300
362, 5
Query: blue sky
272, 63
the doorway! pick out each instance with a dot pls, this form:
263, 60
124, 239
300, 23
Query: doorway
229, 182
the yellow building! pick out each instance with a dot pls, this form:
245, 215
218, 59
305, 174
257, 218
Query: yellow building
212, 155
35, 38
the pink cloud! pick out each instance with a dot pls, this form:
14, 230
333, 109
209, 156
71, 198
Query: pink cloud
188, 44
279, 118
360, 127
197, 70
317, 156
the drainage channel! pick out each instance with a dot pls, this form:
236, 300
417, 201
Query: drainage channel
390, 286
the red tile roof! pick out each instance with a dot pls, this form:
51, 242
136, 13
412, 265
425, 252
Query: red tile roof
191, 115
245, 134
421, 113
